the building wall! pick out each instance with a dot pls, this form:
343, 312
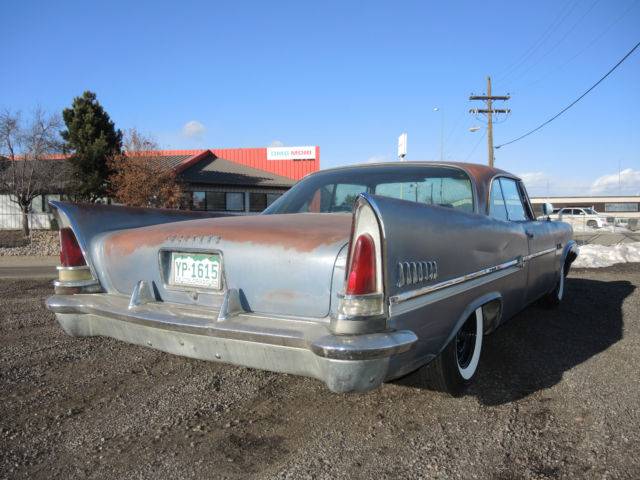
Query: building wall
257, 158
617, 207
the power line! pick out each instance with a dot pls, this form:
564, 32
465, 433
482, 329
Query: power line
574, 102
633, 4
562, 15
554, 46
475, 146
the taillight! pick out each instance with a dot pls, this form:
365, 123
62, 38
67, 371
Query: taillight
362, 272
361, 308
70, 252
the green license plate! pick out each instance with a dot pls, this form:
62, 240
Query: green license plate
199, 270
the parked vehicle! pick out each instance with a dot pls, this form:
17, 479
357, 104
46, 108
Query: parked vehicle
580, 216
355, 276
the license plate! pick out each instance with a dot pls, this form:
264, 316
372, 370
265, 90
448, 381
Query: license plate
195, 270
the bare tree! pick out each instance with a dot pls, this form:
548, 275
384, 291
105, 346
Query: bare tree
140, 178
25, 170
137, 143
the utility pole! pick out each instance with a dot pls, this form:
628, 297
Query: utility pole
489, 111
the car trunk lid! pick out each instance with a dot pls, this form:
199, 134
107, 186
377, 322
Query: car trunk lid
280, 264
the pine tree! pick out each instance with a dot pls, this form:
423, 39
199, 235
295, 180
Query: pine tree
92, 140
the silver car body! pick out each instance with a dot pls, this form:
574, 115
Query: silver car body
282, 305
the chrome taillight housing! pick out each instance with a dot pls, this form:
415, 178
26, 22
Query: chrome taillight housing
74, 275
361, 308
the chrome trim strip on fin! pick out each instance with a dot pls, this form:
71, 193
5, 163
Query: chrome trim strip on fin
518, 262
404, 296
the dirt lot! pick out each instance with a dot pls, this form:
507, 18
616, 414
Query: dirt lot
557, 397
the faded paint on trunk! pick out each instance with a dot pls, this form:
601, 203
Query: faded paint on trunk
302, 232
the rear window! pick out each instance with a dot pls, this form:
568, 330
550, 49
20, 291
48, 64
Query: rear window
337, 190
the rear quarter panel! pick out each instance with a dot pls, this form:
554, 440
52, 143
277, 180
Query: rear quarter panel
460, 243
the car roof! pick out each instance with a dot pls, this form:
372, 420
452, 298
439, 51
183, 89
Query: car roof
476, 171
480, 175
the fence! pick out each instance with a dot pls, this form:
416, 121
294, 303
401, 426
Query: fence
39, 217
37, 221
614, 231
587, 224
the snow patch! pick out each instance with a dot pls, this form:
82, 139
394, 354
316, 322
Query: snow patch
598, 256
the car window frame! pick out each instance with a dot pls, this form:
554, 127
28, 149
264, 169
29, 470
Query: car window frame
526, 207
490, 204
524, 196
522, 192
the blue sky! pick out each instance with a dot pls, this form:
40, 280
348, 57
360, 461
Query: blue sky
348, 76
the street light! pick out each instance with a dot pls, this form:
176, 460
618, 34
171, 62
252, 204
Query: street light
438, 109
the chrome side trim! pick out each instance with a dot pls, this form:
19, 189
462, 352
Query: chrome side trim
404, 296
526, 258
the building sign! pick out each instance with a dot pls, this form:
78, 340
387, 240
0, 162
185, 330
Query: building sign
291, 153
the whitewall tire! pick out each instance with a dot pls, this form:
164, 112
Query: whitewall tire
455, 368
467, 366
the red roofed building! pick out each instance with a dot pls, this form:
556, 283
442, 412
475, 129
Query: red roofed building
234, 180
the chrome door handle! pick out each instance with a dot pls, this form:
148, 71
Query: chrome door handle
529, 234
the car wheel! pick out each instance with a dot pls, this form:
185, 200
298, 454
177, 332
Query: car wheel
454, 369
554, 298
592, 223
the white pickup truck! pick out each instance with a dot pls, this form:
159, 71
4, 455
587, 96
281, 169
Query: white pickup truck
579, 216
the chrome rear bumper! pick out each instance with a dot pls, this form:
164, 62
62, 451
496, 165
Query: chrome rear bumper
297, 346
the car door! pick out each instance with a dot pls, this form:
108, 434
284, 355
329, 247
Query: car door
515, 294
541, 261
565, 215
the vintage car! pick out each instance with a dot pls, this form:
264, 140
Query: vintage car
356, 276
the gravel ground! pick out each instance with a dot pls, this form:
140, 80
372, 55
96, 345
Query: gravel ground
557, 397
42, 242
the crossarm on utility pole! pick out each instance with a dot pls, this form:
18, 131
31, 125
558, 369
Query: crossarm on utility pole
489, 111
484, 110
488, 97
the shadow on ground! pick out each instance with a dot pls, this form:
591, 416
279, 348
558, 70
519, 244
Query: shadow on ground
532, 351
